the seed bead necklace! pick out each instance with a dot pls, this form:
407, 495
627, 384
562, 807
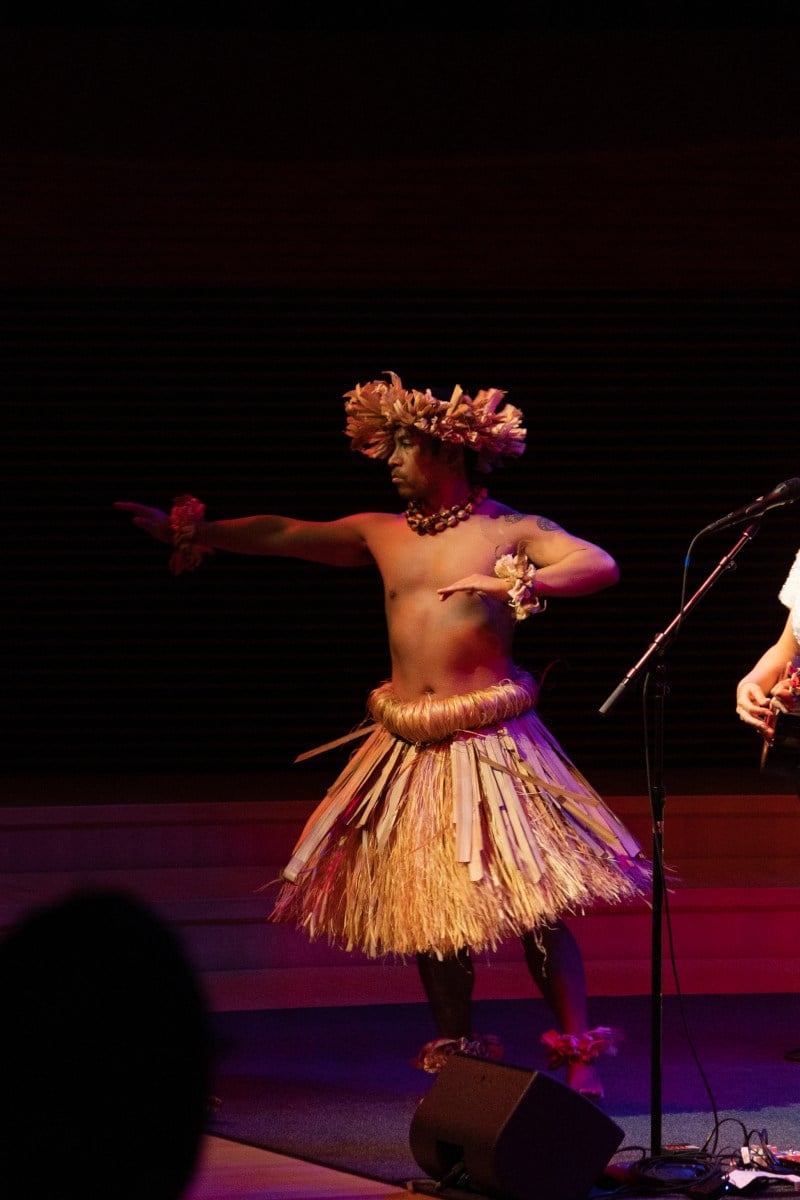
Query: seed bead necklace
445, 518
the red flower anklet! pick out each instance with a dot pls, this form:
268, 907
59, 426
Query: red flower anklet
566, 1048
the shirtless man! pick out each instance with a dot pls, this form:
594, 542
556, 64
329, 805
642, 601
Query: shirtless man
459, 821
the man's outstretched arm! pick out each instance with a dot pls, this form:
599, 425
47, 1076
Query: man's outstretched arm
338, 543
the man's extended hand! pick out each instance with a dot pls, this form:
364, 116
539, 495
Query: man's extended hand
151, 520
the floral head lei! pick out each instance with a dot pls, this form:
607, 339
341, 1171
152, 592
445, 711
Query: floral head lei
376, 410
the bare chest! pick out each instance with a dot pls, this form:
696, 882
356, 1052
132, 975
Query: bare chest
410, 563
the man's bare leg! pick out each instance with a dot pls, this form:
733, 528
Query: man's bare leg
448, 984
556, 964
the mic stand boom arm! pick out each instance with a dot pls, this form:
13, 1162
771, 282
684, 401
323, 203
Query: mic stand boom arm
657, 804
661, 640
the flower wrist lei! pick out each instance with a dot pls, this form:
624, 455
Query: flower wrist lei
518, 570
566, 1048
186, 515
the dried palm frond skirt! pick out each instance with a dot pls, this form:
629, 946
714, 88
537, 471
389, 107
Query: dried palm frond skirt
458, 822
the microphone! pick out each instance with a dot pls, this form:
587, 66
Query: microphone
783, 493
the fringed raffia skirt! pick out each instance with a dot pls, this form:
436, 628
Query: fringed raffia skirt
458, 822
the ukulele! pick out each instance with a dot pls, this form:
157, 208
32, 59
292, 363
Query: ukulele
780, 749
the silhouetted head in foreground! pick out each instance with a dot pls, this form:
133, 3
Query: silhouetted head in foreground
104, 1055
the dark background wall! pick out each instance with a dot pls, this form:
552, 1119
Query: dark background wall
210, 234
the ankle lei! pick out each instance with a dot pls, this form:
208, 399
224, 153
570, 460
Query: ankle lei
566, 1048
445, 518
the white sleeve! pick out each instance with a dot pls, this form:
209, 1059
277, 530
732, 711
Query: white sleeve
790, 596
790, 592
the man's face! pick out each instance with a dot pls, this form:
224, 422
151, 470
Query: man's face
414, 464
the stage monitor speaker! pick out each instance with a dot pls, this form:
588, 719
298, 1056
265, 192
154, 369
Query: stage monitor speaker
520, 1135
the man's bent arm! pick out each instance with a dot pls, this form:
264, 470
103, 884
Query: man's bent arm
566, 565
582, 571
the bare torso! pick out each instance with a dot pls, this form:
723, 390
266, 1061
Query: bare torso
443, 647
449, 622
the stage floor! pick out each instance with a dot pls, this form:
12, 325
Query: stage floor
232, 1171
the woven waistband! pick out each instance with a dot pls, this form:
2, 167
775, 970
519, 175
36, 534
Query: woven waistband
432, 719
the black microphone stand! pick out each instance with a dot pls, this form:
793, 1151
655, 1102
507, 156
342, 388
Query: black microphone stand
658, 803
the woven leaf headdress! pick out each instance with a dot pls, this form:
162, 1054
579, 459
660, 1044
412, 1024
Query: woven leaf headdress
375, 411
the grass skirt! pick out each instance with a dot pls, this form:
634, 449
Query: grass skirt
486, 832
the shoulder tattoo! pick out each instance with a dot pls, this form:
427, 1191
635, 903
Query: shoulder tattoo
543, 523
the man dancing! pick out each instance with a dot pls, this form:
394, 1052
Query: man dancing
459, 821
